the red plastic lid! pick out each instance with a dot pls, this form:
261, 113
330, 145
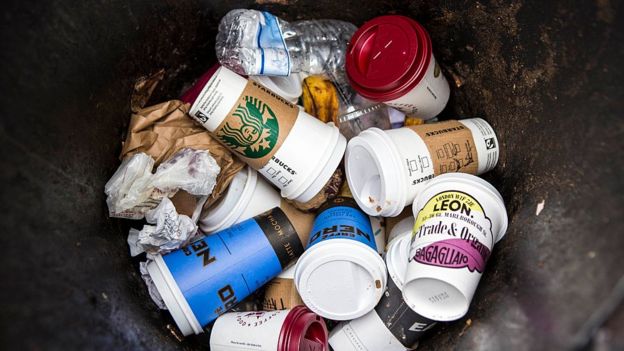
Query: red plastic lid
387, 57
191, 95
303, 330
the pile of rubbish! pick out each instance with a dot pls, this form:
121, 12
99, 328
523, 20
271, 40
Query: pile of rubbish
303, 194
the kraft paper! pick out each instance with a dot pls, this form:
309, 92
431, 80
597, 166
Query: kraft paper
162, 130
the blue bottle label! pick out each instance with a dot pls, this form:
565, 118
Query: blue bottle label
274, 58
217, 271
340, 218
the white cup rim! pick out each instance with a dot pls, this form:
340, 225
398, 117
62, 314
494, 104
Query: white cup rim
341, 250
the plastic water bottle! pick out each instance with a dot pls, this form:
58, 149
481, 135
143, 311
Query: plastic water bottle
254, 42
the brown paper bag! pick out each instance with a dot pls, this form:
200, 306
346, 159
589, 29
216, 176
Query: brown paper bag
164, 129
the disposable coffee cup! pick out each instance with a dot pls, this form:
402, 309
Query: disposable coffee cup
293, 150
402, 228
206, 278
405, 324
341, 276
387, 169
297, 329
459, 218
247, 196
392, 325
288, 87
389, 59
281, 292
367, 333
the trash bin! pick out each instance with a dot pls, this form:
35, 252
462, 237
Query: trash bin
547, 76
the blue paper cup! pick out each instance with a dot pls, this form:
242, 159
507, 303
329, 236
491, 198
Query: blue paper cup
209, 276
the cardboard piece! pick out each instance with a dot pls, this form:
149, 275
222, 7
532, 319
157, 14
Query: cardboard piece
162, 130
281, 294
329, 191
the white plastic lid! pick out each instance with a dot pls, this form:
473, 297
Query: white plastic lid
229, 209
173, 298
333, 155
288, 87
403, 227
340, 279
374, 175
397, 259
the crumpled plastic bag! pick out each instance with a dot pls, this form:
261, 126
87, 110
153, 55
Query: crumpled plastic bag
192, 170
151, 287
167, 230
133, 189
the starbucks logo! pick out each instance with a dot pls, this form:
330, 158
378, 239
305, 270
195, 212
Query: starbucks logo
251, 130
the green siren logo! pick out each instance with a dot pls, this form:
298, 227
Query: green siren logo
252, 130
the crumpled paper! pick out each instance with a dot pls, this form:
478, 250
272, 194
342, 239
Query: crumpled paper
167, 232
162, 130
133, 189
151, 287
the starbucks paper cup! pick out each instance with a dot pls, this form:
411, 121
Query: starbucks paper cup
341, 276
459, 218
211, 275
291, 149
387, 169
288, 87
247, 196
296, 329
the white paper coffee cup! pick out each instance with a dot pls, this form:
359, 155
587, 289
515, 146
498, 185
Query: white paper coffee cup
296, 329
366, 333
403, 228
293, 150
459, 218
288, 87
387, 169
247, 196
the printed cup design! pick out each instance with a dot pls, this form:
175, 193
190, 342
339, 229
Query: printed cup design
296, 329
459, 218
254, 130
272, 135
341, 276
465, 223
386, 170
205, 279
